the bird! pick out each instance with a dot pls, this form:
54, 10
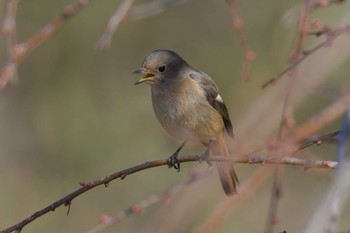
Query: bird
187, 104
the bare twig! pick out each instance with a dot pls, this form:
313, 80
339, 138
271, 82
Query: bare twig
106, 221
67, 200
22, 50
325, 117
248, 54
342, 190
324, 4
118, 16
287, 118
330, 37
325, 217
224, 208
9, 30
276, 193
154, 7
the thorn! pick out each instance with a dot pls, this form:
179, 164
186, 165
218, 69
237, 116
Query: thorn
82, 183
123, 175
106, 184
166, 198
69, 203
137, 209
105, 219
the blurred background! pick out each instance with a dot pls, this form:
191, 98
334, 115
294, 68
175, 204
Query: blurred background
75, 115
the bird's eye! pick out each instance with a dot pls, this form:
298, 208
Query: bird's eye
161, 69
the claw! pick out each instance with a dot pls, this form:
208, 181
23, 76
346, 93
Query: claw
173, 161
205, 157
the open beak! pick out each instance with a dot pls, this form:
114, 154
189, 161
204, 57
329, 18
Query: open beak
148, 77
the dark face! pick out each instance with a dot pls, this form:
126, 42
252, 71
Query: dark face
160, 65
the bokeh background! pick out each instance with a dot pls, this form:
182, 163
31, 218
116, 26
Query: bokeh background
75, 115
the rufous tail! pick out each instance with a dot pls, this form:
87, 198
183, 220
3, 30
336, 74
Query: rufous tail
227, 174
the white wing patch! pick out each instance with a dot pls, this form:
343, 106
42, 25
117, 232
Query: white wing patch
219, 99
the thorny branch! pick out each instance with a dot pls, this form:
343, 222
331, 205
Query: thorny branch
21, 50
238, 24
287, 118
106, 221
113, 23
67, 200
331, 35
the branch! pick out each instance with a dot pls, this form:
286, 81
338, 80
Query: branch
248, 54
106, 221
325, 117
154, 7
331, 35
287, 119
22, 50
67, 200
113, 23
9, 30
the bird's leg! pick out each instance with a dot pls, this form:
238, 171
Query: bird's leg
173, 160
206, 155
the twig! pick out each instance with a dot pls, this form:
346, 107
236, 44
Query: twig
9, 30
330, 37
154, 7
106, 221
325, 117
324, 4
22, 50
325, 217
118, 16
286, 119
339, 198
276, 193
66, 200
224, 208
248, 54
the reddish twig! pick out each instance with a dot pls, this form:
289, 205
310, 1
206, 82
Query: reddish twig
286, 118
324, 4
9, 30
22, 50
324, 118
106, 221
154, 7
248, 54
67, 200
118, 16
331, 35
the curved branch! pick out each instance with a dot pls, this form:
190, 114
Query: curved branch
66, 200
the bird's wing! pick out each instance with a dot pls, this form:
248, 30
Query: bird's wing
213, 97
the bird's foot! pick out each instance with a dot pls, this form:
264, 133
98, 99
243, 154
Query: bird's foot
205, 157
173, 161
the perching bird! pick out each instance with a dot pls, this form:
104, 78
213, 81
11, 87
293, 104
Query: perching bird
188, 106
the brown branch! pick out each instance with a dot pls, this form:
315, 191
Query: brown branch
324, 4
106, 221
21, 51
9, 31
248, 54
325, 117
287, 118
67, 200
330, 38
118, 16
221, 213
154, 7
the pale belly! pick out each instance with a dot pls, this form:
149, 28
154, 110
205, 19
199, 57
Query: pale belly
193, 120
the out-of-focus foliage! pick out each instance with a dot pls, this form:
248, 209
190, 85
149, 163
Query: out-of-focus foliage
75, 114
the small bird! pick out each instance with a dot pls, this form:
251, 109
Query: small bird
188, 106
